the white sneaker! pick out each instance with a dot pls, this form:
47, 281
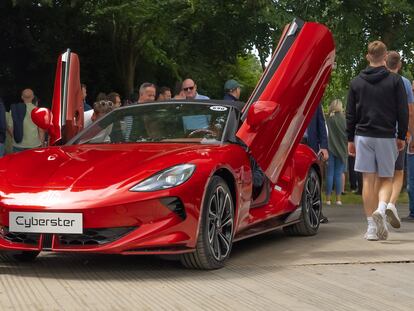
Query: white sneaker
392, 216
371, 234
382, 230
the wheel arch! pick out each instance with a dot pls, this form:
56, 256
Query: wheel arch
230, 181
304, 160
229, 178
317, 168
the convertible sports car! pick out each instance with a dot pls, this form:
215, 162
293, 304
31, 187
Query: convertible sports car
180, 177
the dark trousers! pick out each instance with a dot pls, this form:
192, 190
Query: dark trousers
355, 178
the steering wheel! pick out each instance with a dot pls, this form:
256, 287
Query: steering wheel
204, 131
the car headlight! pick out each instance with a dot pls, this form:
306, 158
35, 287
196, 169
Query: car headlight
168, 178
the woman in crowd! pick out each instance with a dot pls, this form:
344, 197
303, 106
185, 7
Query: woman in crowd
337, 147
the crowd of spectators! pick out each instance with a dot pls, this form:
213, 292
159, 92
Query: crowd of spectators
18, 132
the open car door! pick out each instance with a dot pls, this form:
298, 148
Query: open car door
282, 104
67, 103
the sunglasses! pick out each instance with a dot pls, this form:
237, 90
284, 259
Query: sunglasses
103, 104
190, 88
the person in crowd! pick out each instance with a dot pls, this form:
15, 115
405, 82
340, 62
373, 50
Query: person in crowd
115, 98
87, 114
9, 134
355, 178
178, 91
86, 106
101, 96
98, 134
394, 65
132, 99
3, 127
147, 92
35, 101
337, 148
232, 90
26, 134
316, 137
190, 90
165, 93
344, 178
410, 169
100, 109
377, 123
152, 128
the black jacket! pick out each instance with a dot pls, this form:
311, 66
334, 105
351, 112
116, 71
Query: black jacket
316, 136
377, 104
18, 112
228, 96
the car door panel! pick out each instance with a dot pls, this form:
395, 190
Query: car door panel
67, 105
280, 108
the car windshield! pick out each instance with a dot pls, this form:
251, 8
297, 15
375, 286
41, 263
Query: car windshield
158, 122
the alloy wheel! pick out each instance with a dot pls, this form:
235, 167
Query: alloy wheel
312, 199
220, 223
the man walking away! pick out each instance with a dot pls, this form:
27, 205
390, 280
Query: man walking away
394, 65
376, 104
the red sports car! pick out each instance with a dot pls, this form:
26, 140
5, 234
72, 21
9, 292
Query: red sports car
180, 177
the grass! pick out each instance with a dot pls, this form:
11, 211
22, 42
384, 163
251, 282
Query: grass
352, 198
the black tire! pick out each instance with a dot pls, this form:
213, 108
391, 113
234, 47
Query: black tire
20, 256
215, 237
311, 203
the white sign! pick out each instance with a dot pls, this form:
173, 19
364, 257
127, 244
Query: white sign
45, 222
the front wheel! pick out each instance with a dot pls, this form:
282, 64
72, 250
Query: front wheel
215, 238
311, 207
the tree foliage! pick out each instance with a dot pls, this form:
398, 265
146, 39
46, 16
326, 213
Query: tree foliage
122, 43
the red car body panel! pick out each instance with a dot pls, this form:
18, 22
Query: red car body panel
67, 103
108, 203
105, 200
285, 105
95, 180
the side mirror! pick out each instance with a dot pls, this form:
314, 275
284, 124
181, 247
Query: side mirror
42, 117
260, 112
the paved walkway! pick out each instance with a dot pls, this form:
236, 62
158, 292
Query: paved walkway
335, 270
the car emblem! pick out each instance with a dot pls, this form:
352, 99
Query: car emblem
218, 108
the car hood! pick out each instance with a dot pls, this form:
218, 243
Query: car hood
93, 166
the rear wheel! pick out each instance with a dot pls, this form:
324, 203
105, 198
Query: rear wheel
21, 256
215, 237
311, 207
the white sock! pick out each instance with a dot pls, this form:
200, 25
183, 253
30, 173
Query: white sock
391, 205
382, 206
371, 222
